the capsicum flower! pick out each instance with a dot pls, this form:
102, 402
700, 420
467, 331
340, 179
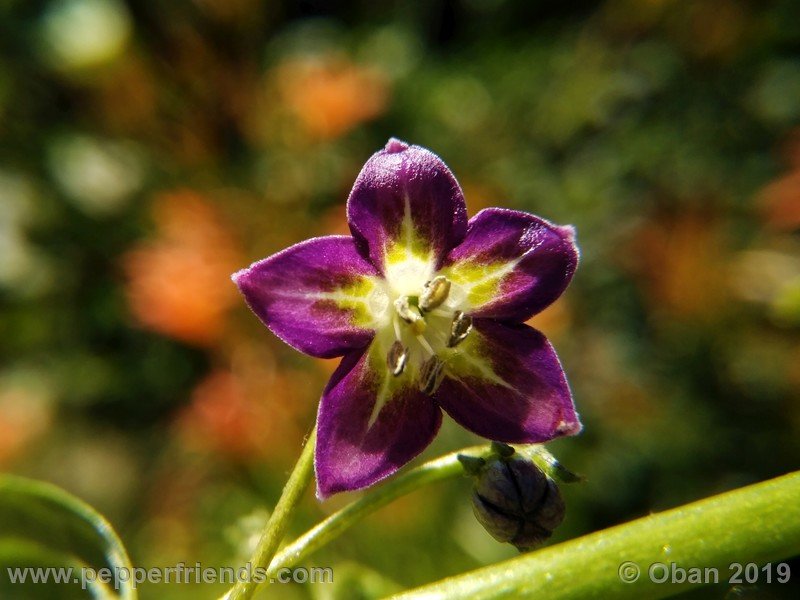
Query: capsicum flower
427, 311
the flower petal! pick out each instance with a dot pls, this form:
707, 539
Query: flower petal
504, 382
370, 424
317, 296
406, 205
511, 264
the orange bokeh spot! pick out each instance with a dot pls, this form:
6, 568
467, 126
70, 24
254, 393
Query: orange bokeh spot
222, 418
179, 283
680, 262
247, 417
23, 419
779, 201
554, 320
331, 96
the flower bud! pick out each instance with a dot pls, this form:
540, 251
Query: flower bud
516, 502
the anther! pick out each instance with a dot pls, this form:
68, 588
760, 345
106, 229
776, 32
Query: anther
397, 358
431, 375
434, 293
459, 329
409, 315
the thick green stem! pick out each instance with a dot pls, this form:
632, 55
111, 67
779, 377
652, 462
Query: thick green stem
445, 467
280, 518
759, 523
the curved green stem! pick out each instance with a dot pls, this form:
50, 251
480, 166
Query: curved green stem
445, 467
279, 520
755, 524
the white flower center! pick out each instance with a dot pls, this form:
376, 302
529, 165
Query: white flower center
420, 316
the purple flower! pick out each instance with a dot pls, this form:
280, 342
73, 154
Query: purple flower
427, 310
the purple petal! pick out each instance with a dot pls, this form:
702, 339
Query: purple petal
315, 295
505, 383
359, 444
406, 201
511, 264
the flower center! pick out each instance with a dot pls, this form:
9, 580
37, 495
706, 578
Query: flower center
424, 324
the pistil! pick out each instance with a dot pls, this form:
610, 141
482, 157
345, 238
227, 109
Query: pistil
410, 314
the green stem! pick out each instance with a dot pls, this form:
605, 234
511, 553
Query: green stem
279, 520
445, 467
759, 523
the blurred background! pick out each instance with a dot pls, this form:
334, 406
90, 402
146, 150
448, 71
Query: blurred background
149, 149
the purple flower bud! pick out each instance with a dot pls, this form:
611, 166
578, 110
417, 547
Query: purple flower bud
517, 503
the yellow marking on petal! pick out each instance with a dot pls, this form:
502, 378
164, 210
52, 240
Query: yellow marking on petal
358, 297
380, 401
480, 282
407, 226
408, 259
469, 360
389, 384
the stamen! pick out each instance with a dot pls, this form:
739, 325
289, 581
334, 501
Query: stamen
434, 293
397, 358
459, 329
409, 315
425, 345
431, 375
396, 324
